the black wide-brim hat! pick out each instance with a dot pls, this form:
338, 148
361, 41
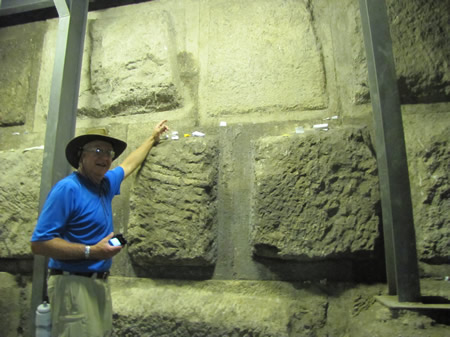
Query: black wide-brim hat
75, 146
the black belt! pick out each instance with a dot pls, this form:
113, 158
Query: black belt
100, 275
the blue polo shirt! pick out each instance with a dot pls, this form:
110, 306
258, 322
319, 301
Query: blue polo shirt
78, 210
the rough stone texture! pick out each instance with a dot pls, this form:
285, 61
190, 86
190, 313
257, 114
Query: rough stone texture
420, 33
257, 50
264, 66
429, 170
132, 67
348, 53
19, 72
19, 201
216, 308
434, 219
378, 321
9, 305
356, 312
173, 208
316, 196
157, 308
264, 309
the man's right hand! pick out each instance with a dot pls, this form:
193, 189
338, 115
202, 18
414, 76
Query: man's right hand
103, 250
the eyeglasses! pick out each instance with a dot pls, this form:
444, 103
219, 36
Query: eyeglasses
100, 152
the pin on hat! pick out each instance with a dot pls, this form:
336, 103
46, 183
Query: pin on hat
75, 146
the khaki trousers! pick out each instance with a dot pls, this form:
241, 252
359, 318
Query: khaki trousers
81, 306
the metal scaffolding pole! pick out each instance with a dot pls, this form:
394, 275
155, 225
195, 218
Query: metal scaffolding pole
398, 224
61, 117
8, 7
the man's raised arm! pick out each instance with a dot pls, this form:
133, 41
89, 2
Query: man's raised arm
136, 157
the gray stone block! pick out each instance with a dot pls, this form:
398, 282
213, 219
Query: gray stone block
132, 67
173, 205
216, 308
420, 34
261, 56
316, 196
20, 64
431, 179
10, 310
19, 201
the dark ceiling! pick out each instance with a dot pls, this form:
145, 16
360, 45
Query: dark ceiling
50, 12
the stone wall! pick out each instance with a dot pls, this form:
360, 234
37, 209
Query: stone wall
173, 206
252, 200
316, 197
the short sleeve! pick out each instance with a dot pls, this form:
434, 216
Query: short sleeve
115, 177
55, 212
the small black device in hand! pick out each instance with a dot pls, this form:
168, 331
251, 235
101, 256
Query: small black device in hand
118, 240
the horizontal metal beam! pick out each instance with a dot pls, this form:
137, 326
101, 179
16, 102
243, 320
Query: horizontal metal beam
62, 7
12, 7
8, 7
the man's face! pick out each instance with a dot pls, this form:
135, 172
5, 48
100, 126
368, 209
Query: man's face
96, 159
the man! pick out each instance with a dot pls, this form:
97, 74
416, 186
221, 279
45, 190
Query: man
74, 228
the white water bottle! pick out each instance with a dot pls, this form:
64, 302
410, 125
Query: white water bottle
43, 320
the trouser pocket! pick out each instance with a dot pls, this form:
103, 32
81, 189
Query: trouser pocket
73, 325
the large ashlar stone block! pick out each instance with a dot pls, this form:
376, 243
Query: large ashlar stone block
430, 177
261, 55
420, 35
316, 196
19, 62
19, 201
173, 205
132, 63
419, 32
10, 311
216, 308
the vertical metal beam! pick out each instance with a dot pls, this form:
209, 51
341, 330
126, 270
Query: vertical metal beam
400, 240
61, 119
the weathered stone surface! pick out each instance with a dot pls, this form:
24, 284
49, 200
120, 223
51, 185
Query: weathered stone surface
19, 201
357, 312
431, 178
19, 60
144, 307
316, 196
420, 34
261, 55
132, 67
9, 305
216, 308
240, 58
348, 53
173, 205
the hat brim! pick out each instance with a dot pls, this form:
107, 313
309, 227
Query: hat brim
74, 147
